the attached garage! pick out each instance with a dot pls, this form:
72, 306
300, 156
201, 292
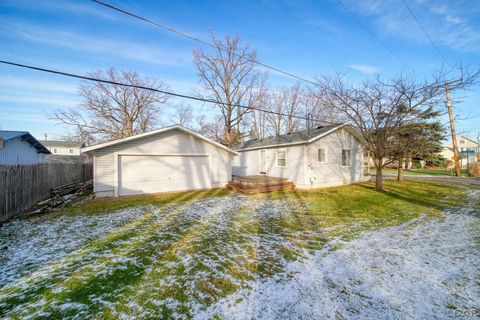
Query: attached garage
165, 160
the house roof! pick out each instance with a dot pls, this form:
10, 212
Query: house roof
466, 138
298, 137
25, 136
146, 134
62, 143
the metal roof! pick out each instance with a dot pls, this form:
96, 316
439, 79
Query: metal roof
298, 137
25, 136
62, 143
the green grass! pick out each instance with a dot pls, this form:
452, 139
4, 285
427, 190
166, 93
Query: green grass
430, 172
167, 262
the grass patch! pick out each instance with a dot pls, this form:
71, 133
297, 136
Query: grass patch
103, 205
429, 172
346, 211
193, 248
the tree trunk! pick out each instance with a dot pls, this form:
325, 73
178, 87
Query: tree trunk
379, 179
400, 170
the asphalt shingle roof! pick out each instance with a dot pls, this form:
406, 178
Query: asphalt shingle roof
62, 143
298, 136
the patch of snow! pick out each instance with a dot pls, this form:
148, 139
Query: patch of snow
28, 244
425, 269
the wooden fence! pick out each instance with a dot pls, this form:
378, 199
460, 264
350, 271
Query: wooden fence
23, 186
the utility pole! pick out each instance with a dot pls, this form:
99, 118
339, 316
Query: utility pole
478, 146
456, 156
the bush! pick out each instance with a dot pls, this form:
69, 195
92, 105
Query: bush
416, 164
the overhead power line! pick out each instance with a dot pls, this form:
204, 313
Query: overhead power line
424, 31
371, 33
206, 43
170, 93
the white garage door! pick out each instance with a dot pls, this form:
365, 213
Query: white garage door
150, 174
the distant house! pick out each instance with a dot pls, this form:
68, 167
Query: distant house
467, 148
164, 160
324, 156
63, 147
20, 147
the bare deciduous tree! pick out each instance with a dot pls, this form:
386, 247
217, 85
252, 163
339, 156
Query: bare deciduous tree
229, 76
285, 105
111, 111
378, 108
183, 115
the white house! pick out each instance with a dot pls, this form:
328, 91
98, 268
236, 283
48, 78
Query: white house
63, 147
20, 147
168, 159
324, 156
467, 148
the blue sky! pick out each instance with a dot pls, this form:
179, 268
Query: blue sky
308, 38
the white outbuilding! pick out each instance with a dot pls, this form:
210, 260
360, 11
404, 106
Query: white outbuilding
164, 160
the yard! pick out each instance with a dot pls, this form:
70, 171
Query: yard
348, 252
425, 172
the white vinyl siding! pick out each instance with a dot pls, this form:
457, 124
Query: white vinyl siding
172, 142
293, 169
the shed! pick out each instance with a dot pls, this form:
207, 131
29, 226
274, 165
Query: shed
169, 159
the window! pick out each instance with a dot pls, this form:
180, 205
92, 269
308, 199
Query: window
321, 155
462, 141
2, 143
281, 161
236, 159
71, 151
345, 157
55, 150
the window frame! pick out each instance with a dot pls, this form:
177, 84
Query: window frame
325, 155
284, 159
349, 158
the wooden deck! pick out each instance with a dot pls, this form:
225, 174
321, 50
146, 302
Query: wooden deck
259, 183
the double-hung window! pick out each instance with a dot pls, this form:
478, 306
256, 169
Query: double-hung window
281, 158
321, 155
346, 157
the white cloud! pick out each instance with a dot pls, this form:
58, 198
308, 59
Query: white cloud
71, 7
106, 47
17, 83
448, 25
365, 69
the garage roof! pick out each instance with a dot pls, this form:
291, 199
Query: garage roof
146, 134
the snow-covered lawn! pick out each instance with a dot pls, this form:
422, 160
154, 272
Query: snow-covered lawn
238, 257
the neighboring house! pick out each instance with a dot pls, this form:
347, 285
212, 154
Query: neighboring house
466, 145
447, 153
20, 147
63, 147
325, 156
467, 148
168, 159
